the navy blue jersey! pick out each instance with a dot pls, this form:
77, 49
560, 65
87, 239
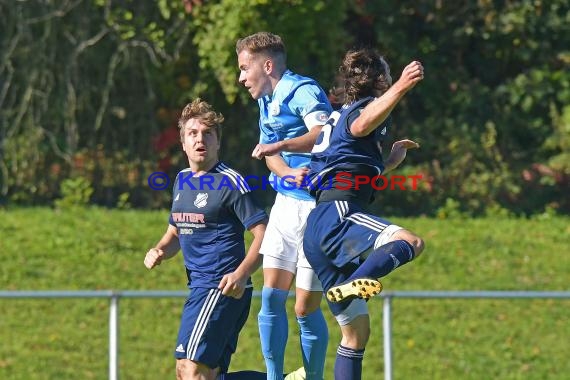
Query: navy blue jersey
211, 213
338, 154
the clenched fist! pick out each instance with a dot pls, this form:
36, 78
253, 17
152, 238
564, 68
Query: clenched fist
153, 258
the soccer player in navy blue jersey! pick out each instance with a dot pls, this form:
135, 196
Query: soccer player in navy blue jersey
292, 109
208, 222
348, 248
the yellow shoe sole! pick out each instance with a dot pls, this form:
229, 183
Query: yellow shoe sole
360, 288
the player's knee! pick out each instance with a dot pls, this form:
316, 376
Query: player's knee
356, 333
415, 241
362, 339
307, 303
302, 310
357, 338
273, 300
418, 244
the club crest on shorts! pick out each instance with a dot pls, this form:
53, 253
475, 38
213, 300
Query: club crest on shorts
201, 200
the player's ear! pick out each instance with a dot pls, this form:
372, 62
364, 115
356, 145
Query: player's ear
268, 66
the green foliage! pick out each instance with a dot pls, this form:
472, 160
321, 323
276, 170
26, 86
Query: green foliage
110, 78
300, 23
548, 214
74, 192
20, 173
487, 99
450, 210
497, 211
559, 141
123, 202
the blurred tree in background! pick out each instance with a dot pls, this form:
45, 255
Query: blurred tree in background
92, 89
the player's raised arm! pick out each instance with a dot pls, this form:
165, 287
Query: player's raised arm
378, 110
300, 144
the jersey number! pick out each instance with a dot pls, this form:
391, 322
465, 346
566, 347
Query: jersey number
325, 135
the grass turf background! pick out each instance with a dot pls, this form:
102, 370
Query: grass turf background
87, 249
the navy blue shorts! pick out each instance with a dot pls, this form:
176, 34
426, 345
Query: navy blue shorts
338, 234
210, 327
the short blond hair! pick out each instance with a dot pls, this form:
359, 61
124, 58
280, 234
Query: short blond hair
263, 42
203, 112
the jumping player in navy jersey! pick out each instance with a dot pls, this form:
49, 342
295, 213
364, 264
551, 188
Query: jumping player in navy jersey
292, 109
208, 224
348, 248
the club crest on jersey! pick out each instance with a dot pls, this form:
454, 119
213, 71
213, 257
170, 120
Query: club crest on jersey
322, 116
274, 108
201, 200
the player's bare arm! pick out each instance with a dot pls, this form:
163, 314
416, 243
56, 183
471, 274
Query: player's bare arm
378, 110
233, 284
167, 247
278, 166
300, 144
398, 153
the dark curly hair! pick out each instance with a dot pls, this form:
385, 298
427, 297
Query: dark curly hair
363, 72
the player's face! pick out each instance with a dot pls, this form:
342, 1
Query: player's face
201, 145
254, 74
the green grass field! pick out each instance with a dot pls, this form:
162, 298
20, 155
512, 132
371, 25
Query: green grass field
94, 248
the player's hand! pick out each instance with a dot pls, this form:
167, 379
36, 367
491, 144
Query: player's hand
153, 258
399, 150
404, 145
232, 285
262, 150
411, 75
297, 176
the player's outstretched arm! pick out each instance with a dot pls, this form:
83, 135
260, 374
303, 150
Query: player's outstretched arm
278, 166
398, 154
379, 109
233, 284
300, 144
167, 247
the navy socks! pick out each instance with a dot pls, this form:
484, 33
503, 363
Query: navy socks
384, 260
348, 365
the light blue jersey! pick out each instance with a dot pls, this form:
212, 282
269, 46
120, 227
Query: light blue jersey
297, 104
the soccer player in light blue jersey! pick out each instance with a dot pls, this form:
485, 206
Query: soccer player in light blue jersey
349, 248
292, 109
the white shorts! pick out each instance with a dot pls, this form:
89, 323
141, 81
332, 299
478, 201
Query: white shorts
386, 235
357, 307
282, 246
